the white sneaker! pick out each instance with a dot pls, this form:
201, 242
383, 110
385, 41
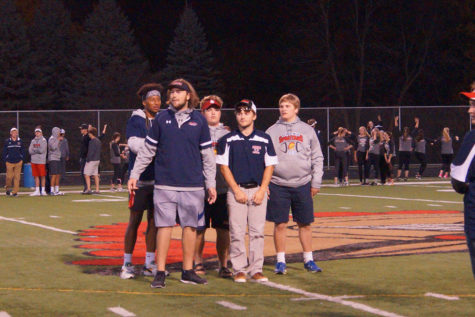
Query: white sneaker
59, 194
43, 194
150, 270
35, 193
127, 272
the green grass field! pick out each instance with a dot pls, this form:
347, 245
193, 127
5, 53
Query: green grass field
36, 279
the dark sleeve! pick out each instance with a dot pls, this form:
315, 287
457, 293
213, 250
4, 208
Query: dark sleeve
331, 141
115, 148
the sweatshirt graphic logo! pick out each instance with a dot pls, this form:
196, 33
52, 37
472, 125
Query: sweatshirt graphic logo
291, 143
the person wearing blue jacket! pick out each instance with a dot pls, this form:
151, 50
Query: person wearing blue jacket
463, 179
185, 166
13, 155
137, 128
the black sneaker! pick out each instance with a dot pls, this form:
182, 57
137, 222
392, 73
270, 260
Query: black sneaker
190, 277
7, 193
224, 272
159, 280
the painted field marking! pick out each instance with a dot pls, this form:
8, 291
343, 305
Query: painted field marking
332, 299
394, 198
450, 227
434, 205
106, 200
121, 311
441, 296
344, 207
390, 206
104, 215
37, 225
231, 305
446, 190
4, 314
340, 297
53, 216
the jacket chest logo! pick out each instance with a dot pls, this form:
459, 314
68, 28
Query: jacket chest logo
193, 123
256, 149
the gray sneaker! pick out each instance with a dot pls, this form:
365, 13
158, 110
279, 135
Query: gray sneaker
159, 280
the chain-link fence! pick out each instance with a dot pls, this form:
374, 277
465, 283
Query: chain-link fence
432, 119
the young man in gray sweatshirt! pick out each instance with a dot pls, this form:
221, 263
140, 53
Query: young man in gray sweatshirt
215, 215
38, 149
296, 180
54, 160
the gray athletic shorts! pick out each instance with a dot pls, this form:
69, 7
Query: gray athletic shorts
91, 168
186, 204
54, 167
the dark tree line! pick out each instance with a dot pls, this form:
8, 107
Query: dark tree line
331, 53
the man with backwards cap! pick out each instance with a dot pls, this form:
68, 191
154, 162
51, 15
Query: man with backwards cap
38, 148
463, 177
247, 157
84, 128
215, 215
180, 142
137, 128
13, 156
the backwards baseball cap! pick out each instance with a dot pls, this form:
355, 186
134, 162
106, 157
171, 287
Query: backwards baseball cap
211, 103
83, 126
179, 85
13, 129
38, 130
62, 131
469, 95
246, 104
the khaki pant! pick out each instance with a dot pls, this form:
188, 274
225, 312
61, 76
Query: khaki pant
13, 175
242, 216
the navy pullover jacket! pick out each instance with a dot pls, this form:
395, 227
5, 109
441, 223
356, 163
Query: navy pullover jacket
13, 151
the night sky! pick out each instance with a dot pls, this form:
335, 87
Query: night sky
250, 43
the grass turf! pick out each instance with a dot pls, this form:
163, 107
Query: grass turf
36, 281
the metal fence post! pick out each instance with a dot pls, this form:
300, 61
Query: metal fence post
400, 118
328, 137
99, 123
18, 120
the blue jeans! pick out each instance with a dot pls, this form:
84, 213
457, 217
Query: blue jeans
471, 250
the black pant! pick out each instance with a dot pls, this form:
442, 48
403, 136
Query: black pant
446, 160
384, 168
404, 159
123, 172
341, 165
82, 163
116, 178
421, 157
363, 168
373, 161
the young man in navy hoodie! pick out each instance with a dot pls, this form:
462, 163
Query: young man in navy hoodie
180, 142
138, 126
463, 178
13, 155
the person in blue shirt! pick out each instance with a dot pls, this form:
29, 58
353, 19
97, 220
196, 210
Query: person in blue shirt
13, 155
137, 128
247, 157
463, 178
180, 142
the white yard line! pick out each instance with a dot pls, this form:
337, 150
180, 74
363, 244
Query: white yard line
441, 296
107, 200
121, 311
446, 190
231, 305
4, 314
37, 225
390, 206
104, 215
332, 299
434, 205
394, 198
344, 207
53, 216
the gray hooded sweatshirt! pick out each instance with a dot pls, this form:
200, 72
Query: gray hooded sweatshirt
299, 153
38, 148
54, 151
216, 133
